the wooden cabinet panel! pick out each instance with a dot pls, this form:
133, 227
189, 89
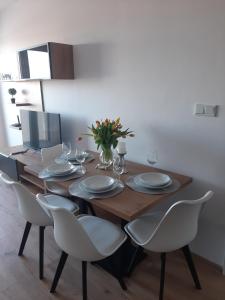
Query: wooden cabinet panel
61, 61
47, 61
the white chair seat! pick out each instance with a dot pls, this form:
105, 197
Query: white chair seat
56, 189
143, 227
58, 201
98, 229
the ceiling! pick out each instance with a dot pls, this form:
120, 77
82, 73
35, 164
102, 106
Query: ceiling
5, 3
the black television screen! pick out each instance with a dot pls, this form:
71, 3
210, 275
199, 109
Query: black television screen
40, 129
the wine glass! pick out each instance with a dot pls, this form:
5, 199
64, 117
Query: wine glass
80, 155
152, 157
66, 150
118, 166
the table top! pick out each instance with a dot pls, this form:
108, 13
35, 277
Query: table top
127, 205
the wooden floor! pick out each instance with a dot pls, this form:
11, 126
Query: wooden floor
19, 275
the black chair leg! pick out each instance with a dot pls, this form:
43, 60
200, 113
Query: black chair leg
41, 251
59, 270
24, 238
162, 277
188, 256
84, 279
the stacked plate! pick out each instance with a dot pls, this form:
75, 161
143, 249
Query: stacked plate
98, 184
152, 180
55, 170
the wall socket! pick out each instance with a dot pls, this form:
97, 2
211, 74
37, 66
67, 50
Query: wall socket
205, 110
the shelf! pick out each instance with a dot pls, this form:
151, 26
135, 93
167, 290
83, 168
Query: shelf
23, 104
32, 188
19, 80
32, 179
15, 127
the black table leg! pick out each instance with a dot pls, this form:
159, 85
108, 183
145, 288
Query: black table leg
137, 256
83, 205
123, 261
133, 254
91, 209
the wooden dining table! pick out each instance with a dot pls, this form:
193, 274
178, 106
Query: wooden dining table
129, 204
126, 206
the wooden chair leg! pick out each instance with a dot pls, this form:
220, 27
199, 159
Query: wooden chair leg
59, 270
188, 257
84, 279
162, 276
41, 251
24, 238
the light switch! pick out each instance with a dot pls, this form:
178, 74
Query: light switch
199, 109
205, 110
210, 110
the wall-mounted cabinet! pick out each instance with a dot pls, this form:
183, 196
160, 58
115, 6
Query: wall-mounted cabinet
47, 61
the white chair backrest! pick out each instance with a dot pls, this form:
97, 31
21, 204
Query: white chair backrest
178, 227
70, 235
5, 180
49, 154
28, 206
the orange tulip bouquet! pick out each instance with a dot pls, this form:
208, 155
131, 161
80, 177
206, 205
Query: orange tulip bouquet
106, 134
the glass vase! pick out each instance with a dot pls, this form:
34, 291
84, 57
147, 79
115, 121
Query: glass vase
106, 156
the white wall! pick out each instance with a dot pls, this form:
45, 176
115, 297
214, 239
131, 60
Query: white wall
2, 125
147, 61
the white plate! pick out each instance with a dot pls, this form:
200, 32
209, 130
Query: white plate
97, 183
45, 174
139, 183
73, 170
109, 189
151, 180
59, 169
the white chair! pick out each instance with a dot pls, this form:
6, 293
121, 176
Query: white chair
34, 214
87, 238
5, 179
48, 156
171, 231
